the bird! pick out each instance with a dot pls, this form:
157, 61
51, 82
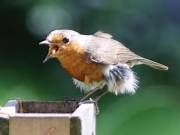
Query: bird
97, 60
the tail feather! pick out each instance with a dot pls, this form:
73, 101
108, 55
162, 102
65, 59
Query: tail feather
154, 64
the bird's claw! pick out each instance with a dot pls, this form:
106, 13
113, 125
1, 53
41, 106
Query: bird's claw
91, 101
87, 101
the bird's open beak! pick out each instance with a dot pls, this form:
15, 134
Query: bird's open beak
45, 42
46, 58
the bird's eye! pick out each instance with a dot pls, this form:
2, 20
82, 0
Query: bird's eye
65, 40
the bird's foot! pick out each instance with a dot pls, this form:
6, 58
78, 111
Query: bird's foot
89, 102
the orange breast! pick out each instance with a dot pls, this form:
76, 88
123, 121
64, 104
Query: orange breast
73, 59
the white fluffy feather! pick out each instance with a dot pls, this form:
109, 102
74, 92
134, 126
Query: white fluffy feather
87, 87
122, 80
126, 84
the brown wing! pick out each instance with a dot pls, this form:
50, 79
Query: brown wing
103, 49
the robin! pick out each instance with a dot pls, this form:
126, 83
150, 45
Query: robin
97, 60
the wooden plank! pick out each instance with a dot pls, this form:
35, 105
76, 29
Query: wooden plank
39, 126
75, 126
4, 125
47, 106
87, 115
45, 118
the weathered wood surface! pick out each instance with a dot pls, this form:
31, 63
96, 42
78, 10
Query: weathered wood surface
48, 107
47, 118
4, 126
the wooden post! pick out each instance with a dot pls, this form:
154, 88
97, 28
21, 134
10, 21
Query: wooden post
47, 118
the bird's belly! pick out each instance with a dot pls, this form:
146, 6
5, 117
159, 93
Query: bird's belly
81, 68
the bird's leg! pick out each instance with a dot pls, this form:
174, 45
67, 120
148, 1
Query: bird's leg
95, 101
89, 93
90, 100
101, 95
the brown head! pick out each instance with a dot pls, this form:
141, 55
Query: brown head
57, 40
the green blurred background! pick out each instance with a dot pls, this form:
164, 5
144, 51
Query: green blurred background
150, 28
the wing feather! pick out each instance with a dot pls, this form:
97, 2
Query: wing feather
109, 51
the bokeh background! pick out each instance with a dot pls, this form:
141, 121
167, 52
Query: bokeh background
150, 28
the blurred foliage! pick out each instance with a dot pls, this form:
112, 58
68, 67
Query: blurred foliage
149, 28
